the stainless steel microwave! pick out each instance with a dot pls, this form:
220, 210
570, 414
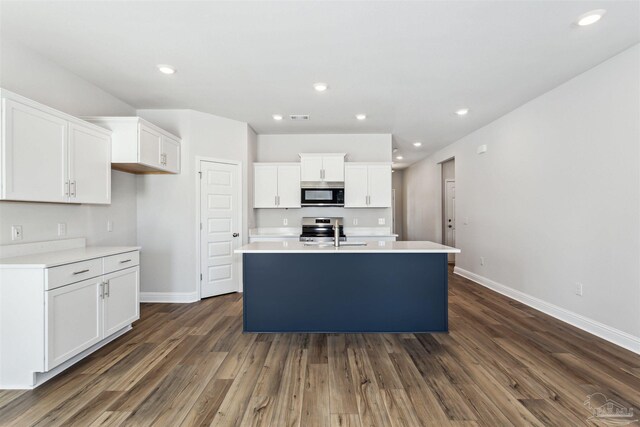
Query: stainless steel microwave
322, 196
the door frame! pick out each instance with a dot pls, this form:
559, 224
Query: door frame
198, 219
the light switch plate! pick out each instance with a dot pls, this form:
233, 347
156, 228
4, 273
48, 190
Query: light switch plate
355, 221
381, 221
109, 226
62, 229
285, 221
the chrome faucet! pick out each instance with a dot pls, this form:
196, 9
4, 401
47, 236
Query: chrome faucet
336, 234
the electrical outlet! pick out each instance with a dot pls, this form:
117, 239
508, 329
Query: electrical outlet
16, 232
109, 225
381, 221
355, 221
579, 289
62, 229
481, 260
285, 221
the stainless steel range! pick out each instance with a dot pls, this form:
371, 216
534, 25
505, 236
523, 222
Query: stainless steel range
321, 229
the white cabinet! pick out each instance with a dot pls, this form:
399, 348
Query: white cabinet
276, 185
367, 185
322, 167
51, 316
89, 165
49, 156
73, 320
120, 297
139, 146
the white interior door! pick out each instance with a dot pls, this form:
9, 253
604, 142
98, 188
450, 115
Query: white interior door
450, 215
221, 221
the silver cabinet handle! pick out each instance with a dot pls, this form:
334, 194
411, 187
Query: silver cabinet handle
106, 286
275, 200
81, 271
66, 188
102, 290
278, 200
126, 260
73, 188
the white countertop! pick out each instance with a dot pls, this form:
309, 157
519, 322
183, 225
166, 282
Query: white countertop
53, 259
371, 247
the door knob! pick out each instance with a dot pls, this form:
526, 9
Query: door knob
236, 234
450, 226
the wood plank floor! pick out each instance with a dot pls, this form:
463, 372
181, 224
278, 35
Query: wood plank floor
501, 364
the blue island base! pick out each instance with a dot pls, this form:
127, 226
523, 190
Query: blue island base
345, 292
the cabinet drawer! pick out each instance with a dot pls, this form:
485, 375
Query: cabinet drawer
121, 261
71, 273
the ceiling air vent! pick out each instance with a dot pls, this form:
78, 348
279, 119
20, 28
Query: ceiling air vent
299, 117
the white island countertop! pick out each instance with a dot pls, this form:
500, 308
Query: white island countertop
370, 247
56, 258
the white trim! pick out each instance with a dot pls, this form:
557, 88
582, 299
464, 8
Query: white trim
169, 297
199, 160
615, 336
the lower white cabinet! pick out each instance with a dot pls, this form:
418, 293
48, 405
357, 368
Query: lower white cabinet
73, 320
120, 305
51, 314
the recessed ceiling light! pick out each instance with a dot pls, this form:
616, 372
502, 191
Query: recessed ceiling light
462, 111
590, 17
417, 144
277, 117
166, 69
361, 116
399, 157
320, 86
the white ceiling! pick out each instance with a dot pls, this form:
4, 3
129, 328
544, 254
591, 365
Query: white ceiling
407, 65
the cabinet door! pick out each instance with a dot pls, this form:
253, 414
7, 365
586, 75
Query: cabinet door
380, 186
289, 186
34, 157
355, 186
89, 165
73, 320
149, 146
310, 168
333, 167
121, 300
170, 155
265, 189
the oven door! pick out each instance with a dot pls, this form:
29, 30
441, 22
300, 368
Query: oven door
322, 197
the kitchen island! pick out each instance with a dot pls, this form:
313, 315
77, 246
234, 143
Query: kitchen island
380, 287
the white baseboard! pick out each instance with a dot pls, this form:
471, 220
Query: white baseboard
176, 297
601, 330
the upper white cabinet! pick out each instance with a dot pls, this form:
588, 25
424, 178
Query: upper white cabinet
49, 156
139, 146
276, 185
367, 185
322, 167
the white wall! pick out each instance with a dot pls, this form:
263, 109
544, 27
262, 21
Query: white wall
167, 229
26, 73
556, 198
359, 148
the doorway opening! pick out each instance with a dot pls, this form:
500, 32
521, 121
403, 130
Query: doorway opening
449, 205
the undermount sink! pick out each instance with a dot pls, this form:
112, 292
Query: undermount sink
328, 244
